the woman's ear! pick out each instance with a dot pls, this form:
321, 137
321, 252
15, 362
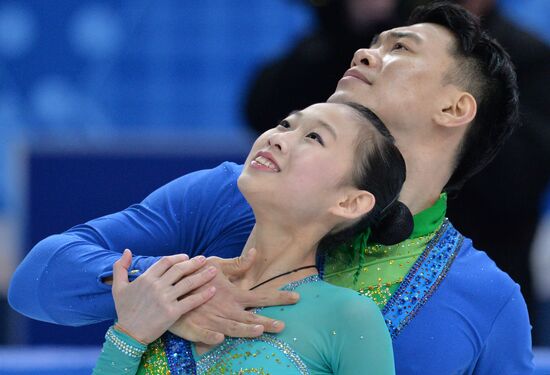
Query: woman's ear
459, 109
354, 204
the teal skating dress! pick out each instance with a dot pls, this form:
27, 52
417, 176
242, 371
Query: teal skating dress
331, 330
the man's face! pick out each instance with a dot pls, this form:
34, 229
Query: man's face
400, 78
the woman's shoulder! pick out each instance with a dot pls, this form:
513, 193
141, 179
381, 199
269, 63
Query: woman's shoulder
331, 297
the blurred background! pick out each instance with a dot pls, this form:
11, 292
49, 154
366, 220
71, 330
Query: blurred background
103, 101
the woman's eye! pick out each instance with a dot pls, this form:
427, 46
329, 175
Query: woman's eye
284, 124
399, 46
316, 137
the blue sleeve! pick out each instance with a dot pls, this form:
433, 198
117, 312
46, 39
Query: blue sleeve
59, 281
508, 347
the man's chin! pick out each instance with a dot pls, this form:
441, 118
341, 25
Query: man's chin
340, 96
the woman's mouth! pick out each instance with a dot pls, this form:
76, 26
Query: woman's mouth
262, 162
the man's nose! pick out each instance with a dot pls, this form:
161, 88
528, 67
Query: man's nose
365, 56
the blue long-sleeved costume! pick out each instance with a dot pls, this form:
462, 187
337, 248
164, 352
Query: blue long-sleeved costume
471, 319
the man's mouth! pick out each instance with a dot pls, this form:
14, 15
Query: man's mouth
355, 74
264, 160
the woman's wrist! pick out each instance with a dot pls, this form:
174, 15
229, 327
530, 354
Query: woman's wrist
118, 327
125, 343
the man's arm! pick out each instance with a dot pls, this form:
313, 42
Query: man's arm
508, 348
60, 279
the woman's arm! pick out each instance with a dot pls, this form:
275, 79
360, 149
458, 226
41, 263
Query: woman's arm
362, 341
121, 354
148, 306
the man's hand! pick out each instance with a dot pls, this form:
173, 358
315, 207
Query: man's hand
226, 313
149, 305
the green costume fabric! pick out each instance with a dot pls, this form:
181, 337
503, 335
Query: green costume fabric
121, 354
330, 331
384, 267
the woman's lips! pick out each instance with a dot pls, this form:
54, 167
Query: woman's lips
265, 161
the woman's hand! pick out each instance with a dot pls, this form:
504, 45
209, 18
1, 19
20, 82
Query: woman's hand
149, 305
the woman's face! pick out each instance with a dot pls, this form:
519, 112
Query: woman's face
303, 165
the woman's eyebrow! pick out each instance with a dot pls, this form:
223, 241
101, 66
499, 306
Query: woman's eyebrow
330, 128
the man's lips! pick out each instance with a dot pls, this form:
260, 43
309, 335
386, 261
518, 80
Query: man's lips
355, 74
264, 160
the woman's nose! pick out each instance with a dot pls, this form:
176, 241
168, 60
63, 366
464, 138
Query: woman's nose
278, 140
365, 56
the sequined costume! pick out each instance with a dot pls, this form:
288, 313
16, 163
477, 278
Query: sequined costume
330, 331
472, 318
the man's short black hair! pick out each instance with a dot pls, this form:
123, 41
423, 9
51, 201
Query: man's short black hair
485, 70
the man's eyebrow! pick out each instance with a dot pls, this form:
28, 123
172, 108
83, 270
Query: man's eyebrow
374, 39
329, 128
396, 35
295, 112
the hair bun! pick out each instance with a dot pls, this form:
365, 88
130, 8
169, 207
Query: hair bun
395, 226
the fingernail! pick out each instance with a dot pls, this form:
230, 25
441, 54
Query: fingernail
200, 259
211, 270
258, 327
276, 324
212, 289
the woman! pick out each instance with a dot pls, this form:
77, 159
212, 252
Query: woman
321, 177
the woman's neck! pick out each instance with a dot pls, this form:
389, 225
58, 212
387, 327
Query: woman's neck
279, 250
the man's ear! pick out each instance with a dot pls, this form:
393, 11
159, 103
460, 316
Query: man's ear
354, 204
458, 110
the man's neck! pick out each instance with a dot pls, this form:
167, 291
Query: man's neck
427, 175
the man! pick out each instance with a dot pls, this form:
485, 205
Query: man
448, 94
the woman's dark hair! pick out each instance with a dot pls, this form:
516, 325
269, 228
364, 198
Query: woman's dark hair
380, 169
484, 69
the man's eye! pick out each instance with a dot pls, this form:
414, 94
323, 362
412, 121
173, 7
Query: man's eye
399, 46
284, 124
316, 137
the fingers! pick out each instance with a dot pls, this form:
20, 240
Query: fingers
192, 282
270, 325
162, 265
270, 298
237, 329
206, 336
120, 270
126, 258
236, 266
193, 301
181, 269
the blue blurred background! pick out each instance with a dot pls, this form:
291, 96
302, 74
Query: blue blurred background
103, 101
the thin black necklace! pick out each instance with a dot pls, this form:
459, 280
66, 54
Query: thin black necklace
283, 274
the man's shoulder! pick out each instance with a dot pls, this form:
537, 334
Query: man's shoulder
203, 191
474, 274
215, 181
226, 171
